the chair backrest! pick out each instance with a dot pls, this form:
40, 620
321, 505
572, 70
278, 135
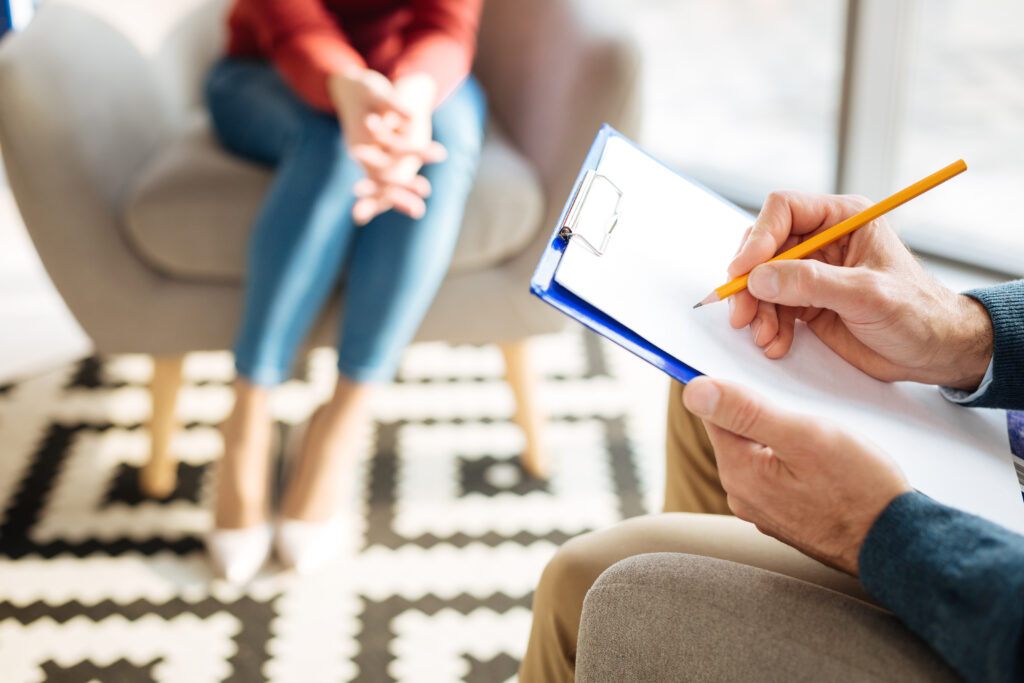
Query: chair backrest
91, 88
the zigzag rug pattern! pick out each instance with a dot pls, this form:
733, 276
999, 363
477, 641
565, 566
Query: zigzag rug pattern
447, 538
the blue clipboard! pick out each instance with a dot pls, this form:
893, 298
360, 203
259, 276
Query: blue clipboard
544, 285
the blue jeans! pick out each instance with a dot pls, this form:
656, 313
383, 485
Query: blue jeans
304, 240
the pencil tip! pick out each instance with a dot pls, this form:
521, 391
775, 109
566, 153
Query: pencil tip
709, 299
698, 304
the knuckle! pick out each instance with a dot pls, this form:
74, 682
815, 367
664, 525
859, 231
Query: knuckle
822, 434
857, 202
875, 288
746, 416
805, 277
778, 198
775, 203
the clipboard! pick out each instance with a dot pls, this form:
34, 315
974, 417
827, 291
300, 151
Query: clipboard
595, 230
638, 243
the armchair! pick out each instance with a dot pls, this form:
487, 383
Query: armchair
141, 219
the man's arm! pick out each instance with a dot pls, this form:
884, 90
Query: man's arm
1004, 386
954, 579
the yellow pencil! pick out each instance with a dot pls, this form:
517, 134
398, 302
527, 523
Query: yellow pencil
845, 227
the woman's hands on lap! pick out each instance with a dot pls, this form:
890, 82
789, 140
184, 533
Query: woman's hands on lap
388, 131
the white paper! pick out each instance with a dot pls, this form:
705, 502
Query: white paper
670, 248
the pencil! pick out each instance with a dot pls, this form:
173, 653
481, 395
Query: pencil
844, 227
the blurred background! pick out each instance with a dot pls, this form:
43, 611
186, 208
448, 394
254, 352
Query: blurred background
850, 96
745, 96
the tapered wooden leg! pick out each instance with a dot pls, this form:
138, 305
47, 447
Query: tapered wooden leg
521, 377
159, 475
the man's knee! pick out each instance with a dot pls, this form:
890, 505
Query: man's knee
570, 573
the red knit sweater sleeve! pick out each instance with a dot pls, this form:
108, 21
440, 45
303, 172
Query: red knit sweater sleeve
305, 43
441, 42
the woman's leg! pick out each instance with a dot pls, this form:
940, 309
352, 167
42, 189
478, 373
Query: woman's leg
296, 252
397, 265
558, 601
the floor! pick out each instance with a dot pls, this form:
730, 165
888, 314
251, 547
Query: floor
445, 540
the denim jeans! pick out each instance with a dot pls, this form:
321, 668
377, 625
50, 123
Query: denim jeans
304, 241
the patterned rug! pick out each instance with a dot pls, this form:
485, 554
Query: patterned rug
448, 535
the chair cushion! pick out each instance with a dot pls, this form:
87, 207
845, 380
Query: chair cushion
190, 212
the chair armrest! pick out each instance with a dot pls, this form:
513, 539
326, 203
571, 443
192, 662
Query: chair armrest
555, 70
673, 617
78, 117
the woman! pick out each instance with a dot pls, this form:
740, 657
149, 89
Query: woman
368, 113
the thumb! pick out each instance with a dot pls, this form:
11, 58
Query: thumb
742, 411
848, 291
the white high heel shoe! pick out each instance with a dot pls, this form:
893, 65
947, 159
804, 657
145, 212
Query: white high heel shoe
308, 547
238, 554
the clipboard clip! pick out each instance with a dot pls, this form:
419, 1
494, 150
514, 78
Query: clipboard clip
593, 214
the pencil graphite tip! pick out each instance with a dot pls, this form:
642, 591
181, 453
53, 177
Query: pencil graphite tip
709, 299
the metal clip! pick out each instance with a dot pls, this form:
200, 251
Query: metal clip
572, 229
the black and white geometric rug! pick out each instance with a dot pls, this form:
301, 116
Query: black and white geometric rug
448, 535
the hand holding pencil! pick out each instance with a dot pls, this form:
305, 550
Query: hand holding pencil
864, 295
820, 239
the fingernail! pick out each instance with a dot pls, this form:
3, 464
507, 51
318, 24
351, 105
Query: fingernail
732, 306
702, 398
764, 283
756, 328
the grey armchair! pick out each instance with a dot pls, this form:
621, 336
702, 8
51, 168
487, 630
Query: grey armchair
141, 219
676, 617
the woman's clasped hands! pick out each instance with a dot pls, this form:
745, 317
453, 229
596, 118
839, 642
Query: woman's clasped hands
387, 129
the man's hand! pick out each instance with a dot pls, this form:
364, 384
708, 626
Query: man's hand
799, 479
387, 129
864, 295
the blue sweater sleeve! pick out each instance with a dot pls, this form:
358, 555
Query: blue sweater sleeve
1005, 306
954, 579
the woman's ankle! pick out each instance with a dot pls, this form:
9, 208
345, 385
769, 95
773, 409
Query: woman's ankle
239, 504
322, 475
243, 473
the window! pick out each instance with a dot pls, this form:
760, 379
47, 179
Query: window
860, 96
742, 95
966, 99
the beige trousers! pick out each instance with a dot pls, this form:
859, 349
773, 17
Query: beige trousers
692, 490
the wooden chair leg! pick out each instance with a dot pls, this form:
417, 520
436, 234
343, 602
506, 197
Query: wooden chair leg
521, 377
159, 475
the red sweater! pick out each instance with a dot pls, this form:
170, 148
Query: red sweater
309, 39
